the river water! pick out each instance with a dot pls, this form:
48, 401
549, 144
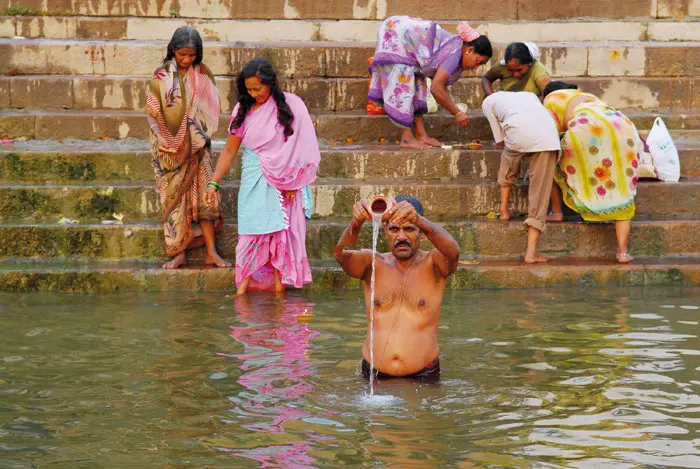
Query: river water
575, 378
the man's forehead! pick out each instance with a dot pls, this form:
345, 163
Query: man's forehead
389, 224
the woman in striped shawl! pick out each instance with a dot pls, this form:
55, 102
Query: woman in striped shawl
183, 114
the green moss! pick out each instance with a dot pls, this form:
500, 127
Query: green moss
84, 171
26, 203
11, 167
17, 11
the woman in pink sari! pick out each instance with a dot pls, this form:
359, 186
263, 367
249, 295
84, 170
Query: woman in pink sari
411, 49
280, 159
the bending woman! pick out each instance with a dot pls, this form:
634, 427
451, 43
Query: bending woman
280, 159
411, 49
183, 113
520, 70
597, 172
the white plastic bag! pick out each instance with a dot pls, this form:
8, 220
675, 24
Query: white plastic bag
664, 152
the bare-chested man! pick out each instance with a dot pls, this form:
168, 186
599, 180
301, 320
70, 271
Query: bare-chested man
409, 285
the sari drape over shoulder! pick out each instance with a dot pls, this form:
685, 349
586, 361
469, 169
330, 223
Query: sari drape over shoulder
409, 50
187, 110
598, 169
272, 223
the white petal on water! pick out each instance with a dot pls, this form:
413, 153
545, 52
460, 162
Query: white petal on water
690, 307
646, 316
218, 375
668, 306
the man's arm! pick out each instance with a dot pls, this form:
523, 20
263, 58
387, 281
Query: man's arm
446, 252
354, 263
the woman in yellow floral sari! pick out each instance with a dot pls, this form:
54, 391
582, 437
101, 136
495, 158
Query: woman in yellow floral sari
183, 113
597, 172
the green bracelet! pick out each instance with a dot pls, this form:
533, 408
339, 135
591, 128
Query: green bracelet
214, 185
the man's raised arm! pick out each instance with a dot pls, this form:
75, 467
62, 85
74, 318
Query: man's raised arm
354, 263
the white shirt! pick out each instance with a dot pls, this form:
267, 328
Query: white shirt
522, 121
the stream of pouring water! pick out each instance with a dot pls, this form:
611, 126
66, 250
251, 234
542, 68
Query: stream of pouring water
376, 224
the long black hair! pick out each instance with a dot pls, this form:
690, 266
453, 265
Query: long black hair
267, 76
481, 45
520, 52
185, 36
553, 86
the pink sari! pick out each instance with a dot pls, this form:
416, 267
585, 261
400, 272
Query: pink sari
272, 228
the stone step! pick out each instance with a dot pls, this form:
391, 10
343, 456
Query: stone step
332, 59
501, 10
333, 127
80, 162
231, 30
483, 240
117, 92
105, 278
451, 200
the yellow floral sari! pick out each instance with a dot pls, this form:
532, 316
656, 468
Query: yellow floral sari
597, 172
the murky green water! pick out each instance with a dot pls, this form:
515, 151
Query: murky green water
554, 378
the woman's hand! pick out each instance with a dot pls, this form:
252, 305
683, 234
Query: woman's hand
462, 119
163, 145
210, 195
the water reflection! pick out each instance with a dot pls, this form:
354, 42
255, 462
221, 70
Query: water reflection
275, 362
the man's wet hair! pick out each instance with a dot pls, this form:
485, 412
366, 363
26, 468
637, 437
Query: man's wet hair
411, 200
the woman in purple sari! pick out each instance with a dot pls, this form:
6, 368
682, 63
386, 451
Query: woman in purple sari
280, 159
411, 49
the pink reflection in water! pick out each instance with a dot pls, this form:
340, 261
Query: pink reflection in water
276, 341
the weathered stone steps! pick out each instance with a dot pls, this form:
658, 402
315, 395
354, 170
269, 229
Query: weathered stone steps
95, 124
502, 10
448, 200
332, 59
82, 163
116, 92
229, 30
497, 275
477, 239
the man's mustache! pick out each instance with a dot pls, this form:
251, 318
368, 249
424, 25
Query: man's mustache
402, 243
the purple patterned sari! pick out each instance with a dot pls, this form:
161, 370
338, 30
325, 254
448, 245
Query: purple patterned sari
408, 50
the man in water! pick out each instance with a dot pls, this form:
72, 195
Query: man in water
409, 285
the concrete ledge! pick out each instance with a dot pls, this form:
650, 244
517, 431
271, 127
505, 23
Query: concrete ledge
375, 9
90, 162
231, 30
332, 59
332, 127
482, 240
147, 278
443, 200
320, 94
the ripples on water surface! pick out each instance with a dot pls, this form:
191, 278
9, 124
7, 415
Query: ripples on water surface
548, 378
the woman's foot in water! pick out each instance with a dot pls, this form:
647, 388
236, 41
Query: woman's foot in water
177, 261
216, 260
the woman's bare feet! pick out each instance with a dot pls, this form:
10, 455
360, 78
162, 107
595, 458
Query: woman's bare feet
410, 143
177, 261
505, 216
624, 258
536, 259
555, 217
216, 260
429, 140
